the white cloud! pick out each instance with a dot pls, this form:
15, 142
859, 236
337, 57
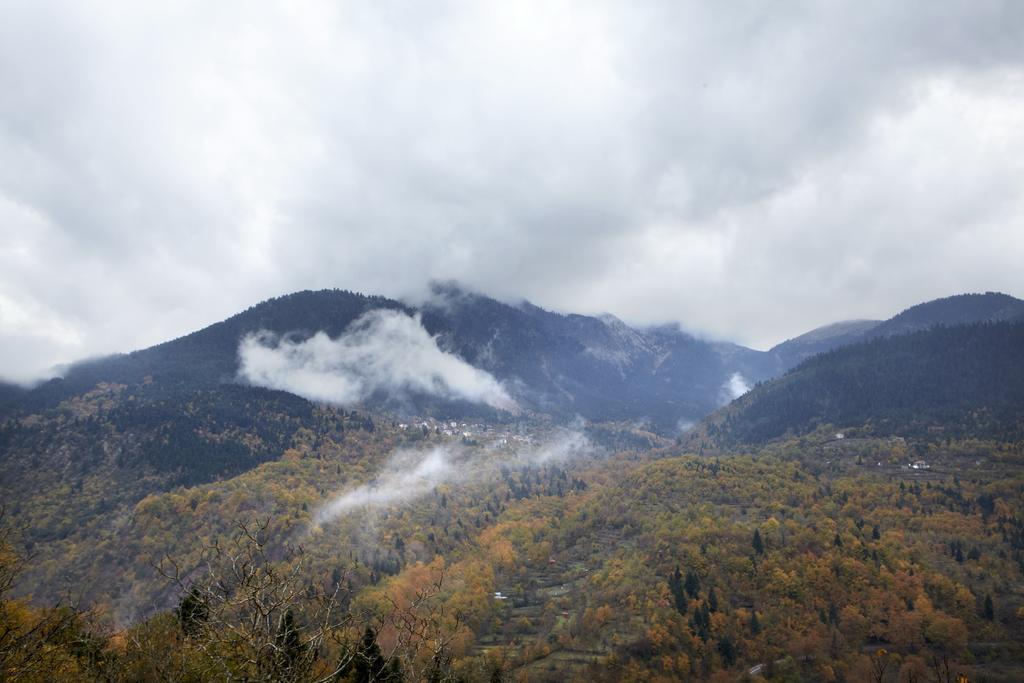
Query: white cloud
750, 170
384, 350
565, 445
412, 474
734, 387
407, 476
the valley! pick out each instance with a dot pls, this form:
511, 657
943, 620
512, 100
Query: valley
373, 341
858, 518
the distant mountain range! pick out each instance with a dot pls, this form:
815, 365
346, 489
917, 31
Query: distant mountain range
596, 367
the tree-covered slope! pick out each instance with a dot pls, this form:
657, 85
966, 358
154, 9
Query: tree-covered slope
948, 381
794, 351
629, 568
961, 309
115, 430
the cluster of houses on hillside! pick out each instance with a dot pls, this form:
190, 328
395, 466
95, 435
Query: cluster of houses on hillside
464, 430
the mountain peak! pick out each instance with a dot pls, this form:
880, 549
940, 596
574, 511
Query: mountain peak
960, 309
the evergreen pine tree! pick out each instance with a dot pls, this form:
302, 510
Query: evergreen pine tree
675, 584
192, 612
288, 657
700, 622
368, 664
394, 673
692, 584
755, 624
727, 649
757, 542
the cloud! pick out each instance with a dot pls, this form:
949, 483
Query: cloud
565, 445
412, 474
683, 425
734, 387
383, 351
750, 170
407, 476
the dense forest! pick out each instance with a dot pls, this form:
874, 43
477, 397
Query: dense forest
961, 309
960, 381
808, 561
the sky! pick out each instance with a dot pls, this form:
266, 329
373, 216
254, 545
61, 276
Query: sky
749, 169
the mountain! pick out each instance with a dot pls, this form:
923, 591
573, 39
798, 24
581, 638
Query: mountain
209, 358
553, 364
794, 351
77, 454
961, 309
144, 483
10, 394
597, 367
957, 381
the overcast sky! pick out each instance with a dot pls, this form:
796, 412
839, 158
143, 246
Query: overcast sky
750, 169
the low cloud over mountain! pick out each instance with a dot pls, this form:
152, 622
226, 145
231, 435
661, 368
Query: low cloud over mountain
384, 350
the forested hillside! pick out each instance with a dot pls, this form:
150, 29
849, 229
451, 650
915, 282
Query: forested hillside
961, 309
794, 351
618, 569
957, 381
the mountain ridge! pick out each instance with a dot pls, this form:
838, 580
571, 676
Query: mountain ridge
958, 309
598, 367
959, 381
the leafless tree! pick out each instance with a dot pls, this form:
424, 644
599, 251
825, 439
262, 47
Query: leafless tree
879, 664
253, 615
424, 632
